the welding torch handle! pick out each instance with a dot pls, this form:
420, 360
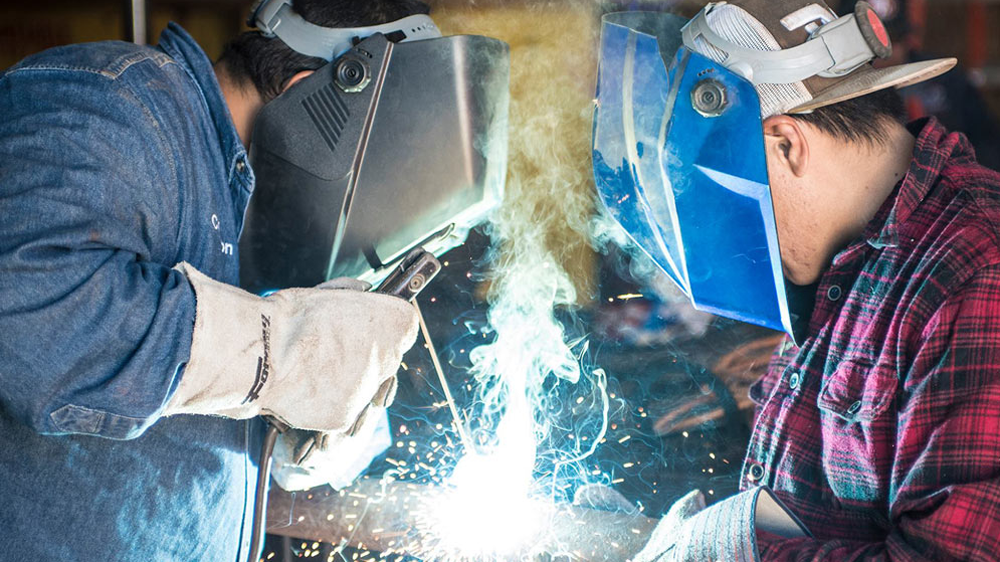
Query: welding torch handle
412, 274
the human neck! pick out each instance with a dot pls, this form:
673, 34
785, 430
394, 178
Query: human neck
866, 178
243, 101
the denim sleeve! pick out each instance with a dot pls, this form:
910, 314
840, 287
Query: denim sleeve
95, 326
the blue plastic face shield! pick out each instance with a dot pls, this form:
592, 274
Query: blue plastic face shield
679, 163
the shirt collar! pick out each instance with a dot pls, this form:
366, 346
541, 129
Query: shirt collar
933, 148
180, 46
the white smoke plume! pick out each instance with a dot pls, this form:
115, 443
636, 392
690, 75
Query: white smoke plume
542, 265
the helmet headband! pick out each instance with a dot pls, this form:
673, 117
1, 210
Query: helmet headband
276, 18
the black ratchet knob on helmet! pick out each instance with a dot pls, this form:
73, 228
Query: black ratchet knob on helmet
709, 97
352, 74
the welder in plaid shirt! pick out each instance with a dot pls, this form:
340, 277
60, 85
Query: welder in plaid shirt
765, 167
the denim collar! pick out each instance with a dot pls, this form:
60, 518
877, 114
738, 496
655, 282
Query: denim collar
180, 46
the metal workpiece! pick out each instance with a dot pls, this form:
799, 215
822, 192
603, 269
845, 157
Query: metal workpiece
397, 517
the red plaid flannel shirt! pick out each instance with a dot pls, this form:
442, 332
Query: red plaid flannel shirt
882, 431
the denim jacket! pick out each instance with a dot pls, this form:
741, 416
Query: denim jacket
117, 162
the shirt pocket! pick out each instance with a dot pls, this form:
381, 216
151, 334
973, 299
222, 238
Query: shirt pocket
858, 432
858, 391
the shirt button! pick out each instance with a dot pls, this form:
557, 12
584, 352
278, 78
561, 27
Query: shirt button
794, 381
756, 472
853, 408
240, 166
834, 292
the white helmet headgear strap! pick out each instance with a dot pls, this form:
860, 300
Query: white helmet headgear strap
835, 47
277, 18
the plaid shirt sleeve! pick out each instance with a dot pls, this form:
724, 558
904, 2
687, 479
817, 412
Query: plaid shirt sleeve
945, 482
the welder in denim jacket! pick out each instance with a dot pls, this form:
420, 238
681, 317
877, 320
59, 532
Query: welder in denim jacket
131, 367
760, 160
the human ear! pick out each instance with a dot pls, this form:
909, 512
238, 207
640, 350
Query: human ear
294, 79
786, 144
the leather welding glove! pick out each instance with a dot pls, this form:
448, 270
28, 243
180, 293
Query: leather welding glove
603, 498
312, 358
306, 459
724, 532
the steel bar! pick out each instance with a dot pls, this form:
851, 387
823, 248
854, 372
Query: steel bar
391, 518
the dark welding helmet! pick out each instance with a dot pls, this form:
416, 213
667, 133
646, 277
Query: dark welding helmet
400, 141
679, 155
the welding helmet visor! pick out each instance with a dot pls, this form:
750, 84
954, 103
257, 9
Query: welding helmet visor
679, 163
388, 147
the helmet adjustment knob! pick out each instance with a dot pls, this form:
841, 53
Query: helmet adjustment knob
352, 74
709, 98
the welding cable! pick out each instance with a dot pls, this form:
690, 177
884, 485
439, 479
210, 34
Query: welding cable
263, 474
462, 432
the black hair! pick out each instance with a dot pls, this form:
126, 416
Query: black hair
862, 119
267, 63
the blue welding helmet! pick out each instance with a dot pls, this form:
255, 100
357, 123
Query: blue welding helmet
679, 163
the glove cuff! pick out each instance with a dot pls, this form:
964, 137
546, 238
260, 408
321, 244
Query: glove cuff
727, 531
313, 358
230, 358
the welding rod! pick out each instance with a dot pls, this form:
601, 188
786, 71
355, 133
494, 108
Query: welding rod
463, 433
389, 518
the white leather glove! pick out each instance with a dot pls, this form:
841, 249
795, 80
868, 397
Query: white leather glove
312, 358
306, 459
603, 498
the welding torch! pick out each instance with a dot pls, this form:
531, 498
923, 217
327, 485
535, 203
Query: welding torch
406, 280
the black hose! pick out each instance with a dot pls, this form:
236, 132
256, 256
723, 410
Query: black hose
260, 496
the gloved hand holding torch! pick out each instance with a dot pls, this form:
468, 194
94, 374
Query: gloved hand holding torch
312, 358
